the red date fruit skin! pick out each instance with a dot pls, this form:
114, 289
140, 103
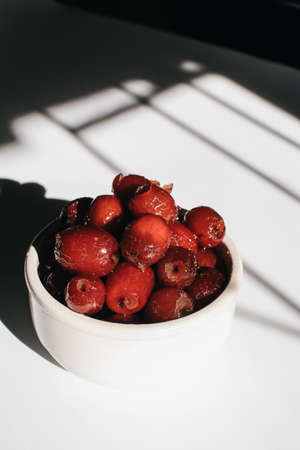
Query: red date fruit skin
128, 288
145, 241
124, 318
86, 249
153, 200
178, 268
125, 187
207, 286
106, 212
168, 304
207, 224
75, 212
206, 258
183, 237
85, 294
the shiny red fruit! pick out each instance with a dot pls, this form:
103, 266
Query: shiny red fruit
206, 258
153, 200
106, 212
128, 288
207, 286
207, 224
183, 237
167, 304
87, 249
75, 212
85, 294
145, 241
178, 268
125, 187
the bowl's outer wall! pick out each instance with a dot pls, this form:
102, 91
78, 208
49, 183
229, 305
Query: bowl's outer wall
123, 363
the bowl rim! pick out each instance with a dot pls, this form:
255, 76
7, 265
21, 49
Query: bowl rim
90, 325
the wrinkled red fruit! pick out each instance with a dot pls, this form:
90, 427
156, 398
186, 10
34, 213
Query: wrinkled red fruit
106, 212
86, 249
124, 318
128, 288
85, 294
207, 286
206, 258
167, 304
145, 241
153, 199
183, 237
177, 268
207, 224
75, 212
126, 187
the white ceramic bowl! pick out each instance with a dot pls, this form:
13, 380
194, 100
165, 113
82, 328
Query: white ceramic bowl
131, 356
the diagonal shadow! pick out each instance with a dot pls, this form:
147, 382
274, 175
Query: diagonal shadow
105, 118
24, 212
246, 116
223, 151
202, 137
279, 294
266, 321
99, 156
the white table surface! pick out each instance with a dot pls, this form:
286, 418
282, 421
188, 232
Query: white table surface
85, 97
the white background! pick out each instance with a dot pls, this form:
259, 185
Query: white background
85, 97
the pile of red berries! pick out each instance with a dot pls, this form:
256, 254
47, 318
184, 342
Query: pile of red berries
135, 256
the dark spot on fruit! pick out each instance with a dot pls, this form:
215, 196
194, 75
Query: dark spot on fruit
83, 285
121, 302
